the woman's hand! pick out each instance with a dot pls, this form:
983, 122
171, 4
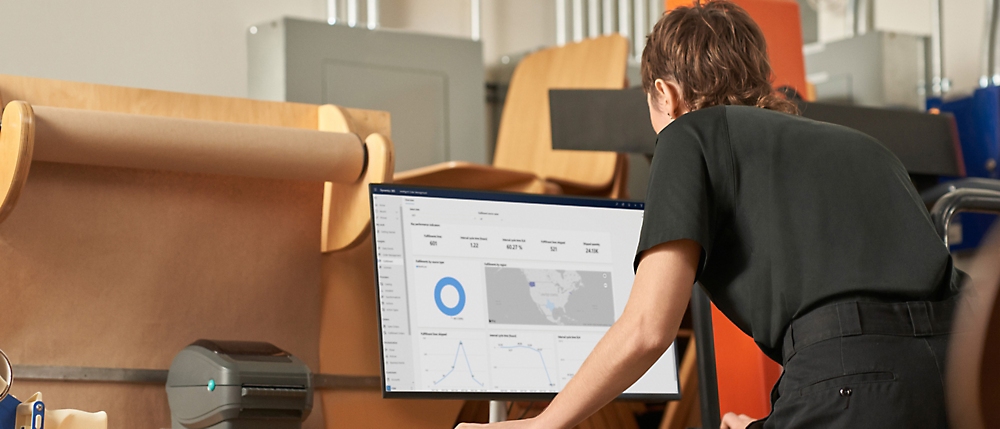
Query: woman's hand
733, 421
729, 421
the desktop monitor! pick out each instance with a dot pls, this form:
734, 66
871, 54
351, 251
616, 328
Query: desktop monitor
489, 295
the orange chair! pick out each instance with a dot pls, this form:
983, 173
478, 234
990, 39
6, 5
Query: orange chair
745, 375
780, 22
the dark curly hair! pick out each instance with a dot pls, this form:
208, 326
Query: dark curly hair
717, 55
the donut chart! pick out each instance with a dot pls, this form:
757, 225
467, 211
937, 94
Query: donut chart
441, 284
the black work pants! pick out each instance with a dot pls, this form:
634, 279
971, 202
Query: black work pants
864, 365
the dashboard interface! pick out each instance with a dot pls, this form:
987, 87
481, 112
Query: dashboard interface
485, 294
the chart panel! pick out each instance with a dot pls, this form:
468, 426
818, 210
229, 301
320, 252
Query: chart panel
533, 296
523, 361
453, 362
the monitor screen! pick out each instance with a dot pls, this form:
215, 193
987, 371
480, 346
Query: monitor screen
488, 295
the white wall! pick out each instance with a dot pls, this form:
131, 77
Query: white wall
514, 26
194, 46
964, 24
199, 46
507, 26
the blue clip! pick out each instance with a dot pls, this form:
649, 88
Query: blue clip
8, 412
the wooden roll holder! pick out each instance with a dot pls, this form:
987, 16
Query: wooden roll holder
335, 154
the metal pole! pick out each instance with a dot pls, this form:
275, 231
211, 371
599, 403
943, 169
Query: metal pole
352, 13
624, 17
159, 376
561, 22
708, 381
593, 19
655, 13
850, 16
332, 11
372, 14
577, 20
990, 75
639, 29
608, 13
939, 85
864, 17
498, 411
476, 20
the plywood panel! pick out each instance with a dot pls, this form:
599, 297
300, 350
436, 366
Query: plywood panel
122, 268
106, 98
355, 410
128, 405
159, 103
114, 267
120, 401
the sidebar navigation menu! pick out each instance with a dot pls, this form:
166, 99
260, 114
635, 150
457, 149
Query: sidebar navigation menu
392, 292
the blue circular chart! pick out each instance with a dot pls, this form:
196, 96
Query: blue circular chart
449, 311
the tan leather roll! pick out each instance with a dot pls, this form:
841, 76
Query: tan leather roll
160, 143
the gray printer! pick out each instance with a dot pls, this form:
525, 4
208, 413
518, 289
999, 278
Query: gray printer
238, 385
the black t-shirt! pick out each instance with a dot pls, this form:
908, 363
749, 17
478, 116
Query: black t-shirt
791, 214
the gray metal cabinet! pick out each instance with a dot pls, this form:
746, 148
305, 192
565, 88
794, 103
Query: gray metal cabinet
431, 85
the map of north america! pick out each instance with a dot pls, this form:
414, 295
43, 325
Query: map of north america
525, 296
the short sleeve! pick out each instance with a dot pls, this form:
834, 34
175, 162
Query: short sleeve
680, 202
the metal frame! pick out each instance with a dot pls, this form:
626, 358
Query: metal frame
159, 376
963, 200
708, 380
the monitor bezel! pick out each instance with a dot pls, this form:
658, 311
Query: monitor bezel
481, 195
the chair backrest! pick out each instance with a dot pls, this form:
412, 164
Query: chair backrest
524, 141
781, 24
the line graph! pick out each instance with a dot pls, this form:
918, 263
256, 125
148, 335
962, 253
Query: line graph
572, 351
461, 348
454, 362
523, 361
540, 356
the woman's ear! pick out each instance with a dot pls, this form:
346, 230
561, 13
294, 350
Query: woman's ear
659, 96
669, 93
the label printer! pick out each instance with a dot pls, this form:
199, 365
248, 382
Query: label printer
238, 385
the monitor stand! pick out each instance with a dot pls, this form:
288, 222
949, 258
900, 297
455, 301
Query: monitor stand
498, 411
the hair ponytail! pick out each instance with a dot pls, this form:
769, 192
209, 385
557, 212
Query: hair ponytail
777, 101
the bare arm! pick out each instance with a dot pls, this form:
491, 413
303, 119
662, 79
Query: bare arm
645, 330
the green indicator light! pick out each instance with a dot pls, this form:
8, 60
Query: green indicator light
211, 385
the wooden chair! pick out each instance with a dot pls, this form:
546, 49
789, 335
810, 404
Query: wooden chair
973, 394
524, 160
116, 251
